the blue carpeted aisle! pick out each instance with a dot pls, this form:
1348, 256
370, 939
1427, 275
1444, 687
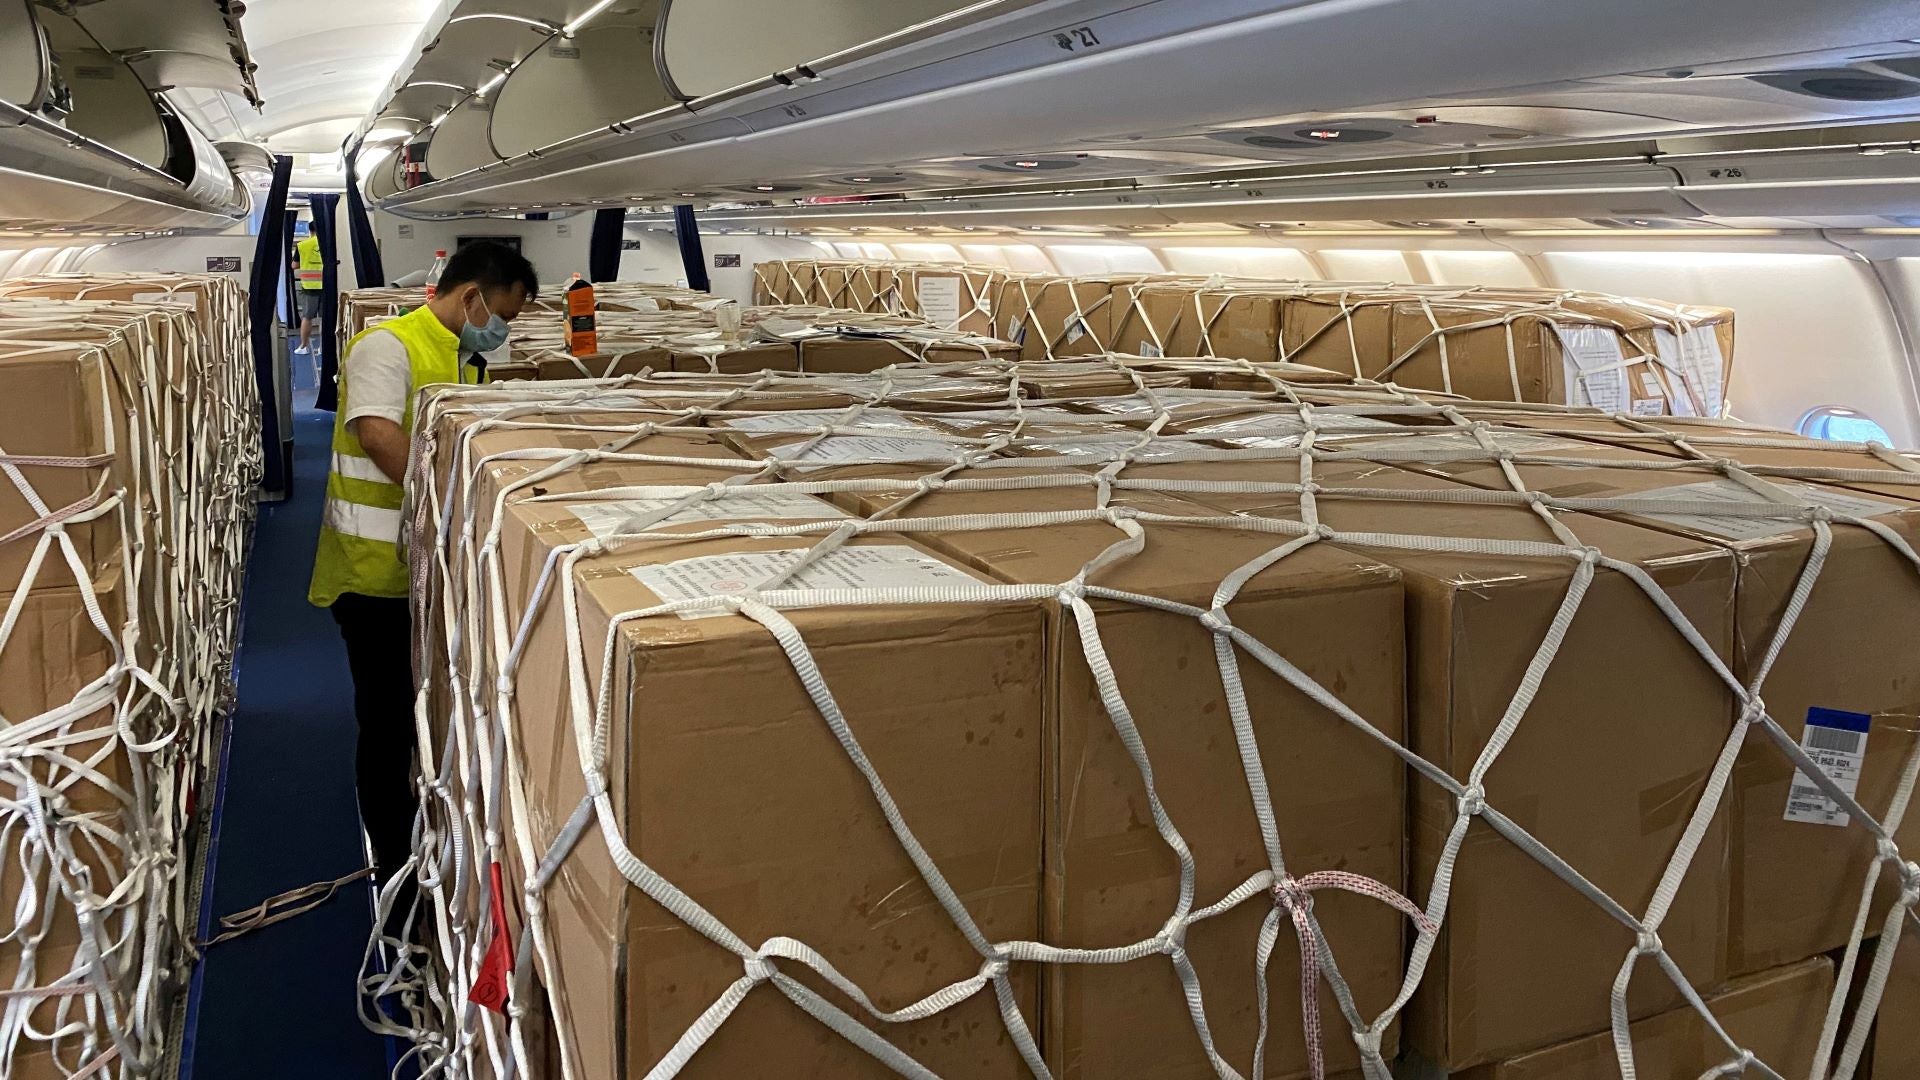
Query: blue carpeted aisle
280, 1002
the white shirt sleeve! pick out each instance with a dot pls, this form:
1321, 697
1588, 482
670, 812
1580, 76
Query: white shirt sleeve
378, 378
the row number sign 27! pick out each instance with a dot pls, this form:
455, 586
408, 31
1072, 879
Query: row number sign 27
1077, 39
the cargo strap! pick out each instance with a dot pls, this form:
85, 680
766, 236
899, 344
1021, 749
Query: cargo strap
101, 786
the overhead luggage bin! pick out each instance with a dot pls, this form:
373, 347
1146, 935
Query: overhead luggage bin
109, 103
87, 145
25, 72
383, 181
1069, 70
174, 43
572, 85
703, 51
460, 142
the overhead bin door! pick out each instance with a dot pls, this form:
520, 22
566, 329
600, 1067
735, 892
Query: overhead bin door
711, 45
570, 86
110, 104
461, 143
23, 59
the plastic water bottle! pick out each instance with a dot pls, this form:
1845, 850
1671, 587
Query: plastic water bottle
433, 275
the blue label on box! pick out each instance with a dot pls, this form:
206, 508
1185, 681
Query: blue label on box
1835, 718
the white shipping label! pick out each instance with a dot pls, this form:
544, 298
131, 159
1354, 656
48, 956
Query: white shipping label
1148, 348
866, 449
1837, 742
606, 519
1595, 368
940, 301
1646, 407
1732, 527
1076, 330
1696, 356
878, 566
1017, 331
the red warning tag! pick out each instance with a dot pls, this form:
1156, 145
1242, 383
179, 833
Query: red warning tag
490, 986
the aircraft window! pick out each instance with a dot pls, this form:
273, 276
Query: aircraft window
1841, 424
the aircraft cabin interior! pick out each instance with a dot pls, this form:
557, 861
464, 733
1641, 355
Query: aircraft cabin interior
1082, 539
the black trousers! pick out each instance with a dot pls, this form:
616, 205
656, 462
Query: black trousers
379, 639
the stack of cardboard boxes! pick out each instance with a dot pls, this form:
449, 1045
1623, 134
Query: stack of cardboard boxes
130, 443
1621, 354
691, 339
1053, 690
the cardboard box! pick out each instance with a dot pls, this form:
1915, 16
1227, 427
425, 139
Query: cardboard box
1111, 878
63, 400
1617, 354
737, 358
951, 297
604, 365
833, 285
805, 855
54, 652
1342, 329
871, 286
1848, 655
773, 282
1895, 1050
1524, 959
1052, 317
859, 354
1776, 1014
705, 704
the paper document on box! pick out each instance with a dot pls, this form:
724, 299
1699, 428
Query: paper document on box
1595, 369
1696, 356
879, 566
940, 301
608, 519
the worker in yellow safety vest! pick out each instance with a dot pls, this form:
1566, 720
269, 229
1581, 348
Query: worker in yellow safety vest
309, 271
357, 569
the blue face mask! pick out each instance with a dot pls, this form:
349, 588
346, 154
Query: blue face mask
480, 339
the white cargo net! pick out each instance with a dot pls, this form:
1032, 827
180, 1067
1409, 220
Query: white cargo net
100, 923
473, 789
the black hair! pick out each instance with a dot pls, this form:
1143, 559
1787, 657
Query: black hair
491, 266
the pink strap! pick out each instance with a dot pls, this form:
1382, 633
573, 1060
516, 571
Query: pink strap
1295, 895
54, 518
88, 462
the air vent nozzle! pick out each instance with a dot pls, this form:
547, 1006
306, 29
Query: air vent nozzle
1840, 84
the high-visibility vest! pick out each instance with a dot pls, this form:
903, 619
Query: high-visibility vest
359, 549
312, 269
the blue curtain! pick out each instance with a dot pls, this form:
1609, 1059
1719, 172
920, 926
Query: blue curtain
270, 260
367, 271
323, 210
688, 233
603, 251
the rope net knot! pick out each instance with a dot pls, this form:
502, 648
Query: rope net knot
1295, 897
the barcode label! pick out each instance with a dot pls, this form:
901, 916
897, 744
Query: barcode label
1844, 742
1837, 742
